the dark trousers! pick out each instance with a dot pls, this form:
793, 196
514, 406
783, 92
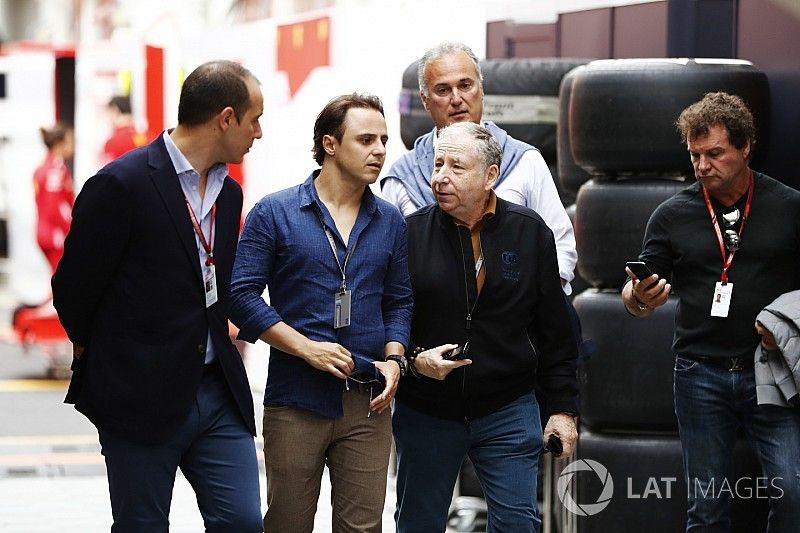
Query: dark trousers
504, 447
215, 452
711, 404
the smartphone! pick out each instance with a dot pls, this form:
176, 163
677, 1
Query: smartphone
456, 354
554, 446
639, 269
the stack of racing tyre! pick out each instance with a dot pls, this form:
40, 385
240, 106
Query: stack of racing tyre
619, 152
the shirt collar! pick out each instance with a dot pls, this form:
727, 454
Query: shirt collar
308, 195
488, 212
216, 173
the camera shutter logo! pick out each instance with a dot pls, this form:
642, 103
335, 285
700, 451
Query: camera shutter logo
565, 482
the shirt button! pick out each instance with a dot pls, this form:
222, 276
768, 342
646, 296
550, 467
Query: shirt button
201, 348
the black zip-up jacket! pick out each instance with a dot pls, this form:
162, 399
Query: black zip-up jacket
518, 328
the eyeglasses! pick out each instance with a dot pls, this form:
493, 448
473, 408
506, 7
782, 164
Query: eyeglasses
731, 218
732, 240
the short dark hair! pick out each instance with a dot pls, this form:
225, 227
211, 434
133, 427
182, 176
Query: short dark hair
123, 103
212, 87
330, 120
57, 133
725, 109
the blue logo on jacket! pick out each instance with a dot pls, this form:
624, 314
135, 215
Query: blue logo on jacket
510, 268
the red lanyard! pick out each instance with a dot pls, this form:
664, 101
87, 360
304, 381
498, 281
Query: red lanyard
197, 229
727, 261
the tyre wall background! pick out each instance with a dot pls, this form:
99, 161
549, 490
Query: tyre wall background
610, 219
627, 384
622, 112
570, 175
633, 461
620, 129
520, 96
578, 283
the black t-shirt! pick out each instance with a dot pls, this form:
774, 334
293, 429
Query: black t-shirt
680, 244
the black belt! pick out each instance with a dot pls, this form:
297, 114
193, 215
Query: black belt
731, 364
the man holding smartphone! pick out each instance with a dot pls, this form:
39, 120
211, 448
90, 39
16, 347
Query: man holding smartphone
733, 228
487, 296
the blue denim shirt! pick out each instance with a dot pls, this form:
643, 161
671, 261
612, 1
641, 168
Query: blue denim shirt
283, 246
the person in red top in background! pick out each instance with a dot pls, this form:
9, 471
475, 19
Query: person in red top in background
124, 137
52, 182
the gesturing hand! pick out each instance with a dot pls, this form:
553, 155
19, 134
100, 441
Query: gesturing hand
391, 372
329, 357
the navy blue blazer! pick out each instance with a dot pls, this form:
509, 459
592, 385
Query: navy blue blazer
129, 288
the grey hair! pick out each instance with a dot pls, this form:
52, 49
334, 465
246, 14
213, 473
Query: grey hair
487, 147
440, 51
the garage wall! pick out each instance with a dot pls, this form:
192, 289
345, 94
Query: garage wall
766, 32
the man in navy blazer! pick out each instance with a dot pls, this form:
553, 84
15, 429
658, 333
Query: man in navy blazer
143, 293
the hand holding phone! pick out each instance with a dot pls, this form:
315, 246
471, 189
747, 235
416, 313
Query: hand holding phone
554, 446
641, 271
456, 354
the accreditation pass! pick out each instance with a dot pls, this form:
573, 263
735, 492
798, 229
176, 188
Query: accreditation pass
341, 309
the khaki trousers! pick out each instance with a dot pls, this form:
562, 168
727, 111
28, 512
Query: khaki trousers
297, 446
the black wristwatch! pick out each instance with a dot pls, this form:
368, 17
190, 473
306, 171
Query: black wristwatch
401, 362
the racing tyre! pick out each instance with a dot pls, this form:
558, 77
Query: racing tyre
627, 383
610, 220
622, 112
648, 487
570, 175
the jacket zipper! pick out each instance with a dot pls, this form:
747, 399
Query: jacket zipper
533, 348
469, 316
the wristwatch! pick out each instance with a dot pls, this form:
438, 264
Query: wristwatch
401, 362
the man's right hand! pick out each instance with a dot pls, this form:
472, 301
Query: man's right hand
642, 296
329, 357
431, 364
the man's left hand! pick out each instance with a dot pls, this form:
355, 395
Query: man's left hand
767, 339
563, 426
391, 372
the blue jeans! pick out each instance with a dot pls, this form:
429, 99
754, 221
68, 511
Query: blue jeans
504, 447
213, 449
711, 404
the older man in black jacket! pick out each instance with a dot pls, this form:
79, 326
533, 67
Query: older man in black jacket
485, 279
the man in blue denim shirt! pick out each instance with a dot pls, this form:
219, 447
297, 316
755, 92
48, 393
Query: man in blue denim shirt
335, 260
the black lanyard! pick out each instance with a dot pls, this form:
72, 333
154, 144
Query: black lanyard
332, 242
